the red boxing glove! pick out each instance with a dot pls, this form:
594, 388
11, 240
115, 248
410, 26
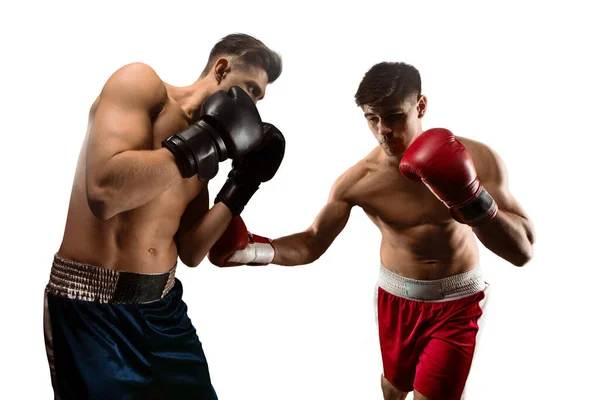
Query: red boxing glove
237, 246
445, 166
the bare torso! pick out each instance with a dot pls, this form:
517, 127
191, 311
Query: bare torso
139, 240
420, 240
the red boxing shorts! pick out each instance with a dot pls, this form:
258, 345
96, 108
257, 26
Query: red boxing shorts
428, 330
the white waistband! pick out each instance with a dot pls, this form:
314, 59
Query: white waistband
450, 288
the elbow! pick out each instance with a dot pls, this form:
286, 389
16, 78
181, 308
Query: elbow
189, 257
99, 208
525, 253
523, 257
313, 255
190, 261
99, 203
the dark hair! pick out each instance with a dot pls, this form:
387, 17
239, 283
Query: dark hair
246, 51
385, 80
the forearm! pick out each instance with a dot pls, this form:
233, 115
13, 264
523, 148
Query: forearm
197, 241
239, 246
509, 236
297, 249
131, 179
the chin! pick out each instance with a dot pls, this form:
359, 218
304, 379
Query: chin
395, 151
392, 152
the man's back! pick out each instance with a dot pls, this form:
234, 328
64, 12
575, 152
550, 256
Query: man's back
140, 239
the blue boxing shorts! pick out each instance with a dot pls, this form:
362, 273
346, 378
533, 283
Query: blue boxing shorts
121, 335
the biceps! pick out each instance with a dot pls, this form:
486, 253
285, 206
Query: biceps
330, 222
113, 131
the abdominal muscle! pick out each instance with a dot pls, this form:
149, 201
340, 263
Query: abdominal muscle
429, 251
125, 242
139, 240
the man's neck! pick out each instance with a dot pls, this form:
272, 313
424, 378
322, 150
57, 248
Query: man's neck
191, 97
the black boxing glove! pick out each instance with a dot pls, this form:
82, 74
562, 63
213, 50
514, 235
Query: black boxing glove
229, 127
249, 171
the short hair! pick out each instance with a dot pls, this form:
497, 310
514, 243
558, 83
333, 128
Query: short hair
387, 80
246, 51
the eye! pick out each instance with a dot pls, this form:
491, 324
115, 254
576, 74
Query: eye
254, 90
396, 117
372, 120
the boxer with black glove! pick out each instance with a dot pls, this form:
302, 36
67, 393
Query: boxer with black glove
134, 215
229, 127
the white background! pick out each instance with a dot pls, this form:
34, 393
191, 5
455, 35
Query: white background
522, 78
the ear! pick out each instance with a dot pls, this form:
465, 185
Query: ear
422, 106
221, 69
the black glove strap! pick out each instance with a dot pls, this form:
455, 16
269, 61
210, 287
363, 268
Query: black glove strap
197, 150
217, 139
235, 196
481, 208
184, 157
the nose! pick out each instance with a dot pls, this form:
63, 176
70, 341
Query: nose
383, 129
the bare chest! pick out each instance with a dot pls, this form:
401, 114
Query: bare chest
392, 201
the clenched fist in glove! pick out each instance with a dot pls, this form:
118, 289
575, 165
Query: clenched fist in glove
230, 127
249, 171
443, 164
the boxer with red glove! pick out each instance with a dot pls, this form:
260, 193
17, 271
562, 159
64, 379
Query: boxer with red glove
431, 291
438, 159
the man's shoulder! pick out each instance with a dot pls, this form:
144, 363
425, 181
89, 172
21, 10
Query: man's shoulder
136, 80
137, 71
471, 144
476, 148
349, 184
487, 162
